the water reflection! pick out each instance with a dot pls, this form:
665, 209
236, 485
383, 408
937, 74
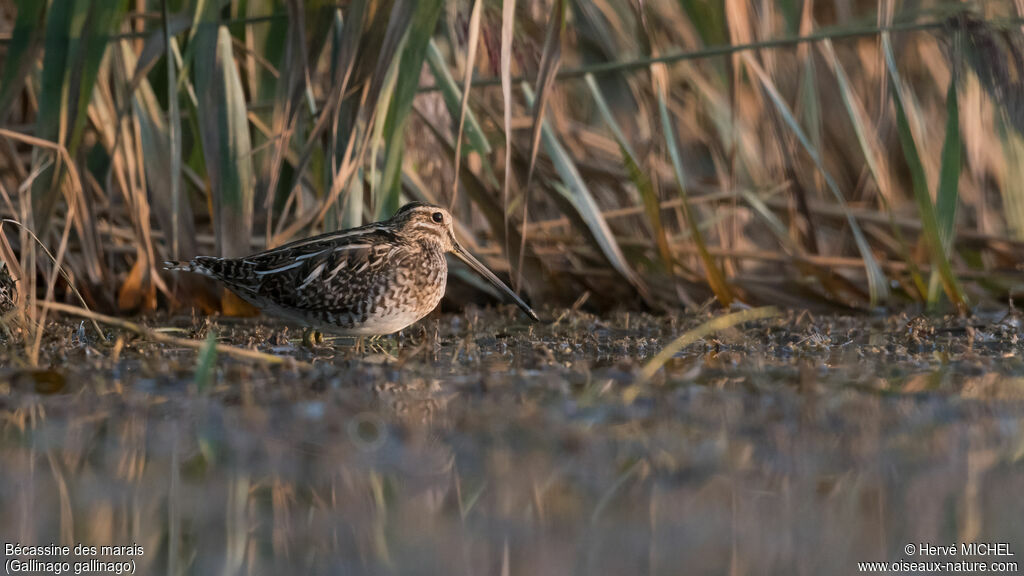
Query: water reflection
764, 451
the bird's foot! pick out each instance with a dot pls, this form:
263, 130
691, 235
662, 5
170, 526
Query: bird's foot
376, 345
312, 338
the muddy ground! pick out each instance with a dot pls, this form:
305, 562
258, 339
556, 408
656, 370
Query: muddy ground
482, 444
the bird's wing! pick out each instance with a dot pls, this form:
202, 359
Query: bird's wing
329, 272
369, 233
297, 255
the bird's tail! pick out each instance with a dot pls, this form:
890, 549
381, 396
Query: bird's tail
177, 265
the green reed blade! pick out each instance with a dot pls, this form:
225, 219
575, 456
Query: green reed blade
173, 139
716, 279
76, 40
452, 95
206, 363
377, 139
947, 196
22, 51
948, 193
413, 54
85, 53
52, 110
224, 133
708, 20
926, 210
640, 180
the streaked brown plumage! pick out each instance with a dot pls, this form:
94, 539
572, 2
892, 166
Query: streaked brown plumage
371, 280
8, 290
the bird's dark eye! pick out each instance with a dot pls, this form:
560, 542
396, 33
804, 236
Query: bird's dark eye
438, 217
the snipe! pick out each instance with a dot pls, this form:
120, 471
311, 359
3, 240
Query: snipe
371, 280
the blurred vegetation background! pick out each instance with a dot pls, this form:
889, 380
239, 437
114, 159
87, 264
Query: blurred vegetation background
653, 154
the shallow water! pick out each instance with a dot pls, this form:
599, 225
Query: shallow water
485, 445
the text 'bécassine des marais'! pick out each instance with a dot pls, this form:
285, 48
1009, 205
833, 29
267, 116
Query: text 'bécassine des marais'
16, 549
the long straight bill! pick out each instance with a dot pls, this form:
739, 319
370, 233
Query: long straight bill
482, 270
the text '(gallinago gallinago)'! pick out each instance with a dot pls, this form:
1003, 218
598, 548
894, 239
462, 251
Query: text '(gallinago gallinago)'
371, 280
